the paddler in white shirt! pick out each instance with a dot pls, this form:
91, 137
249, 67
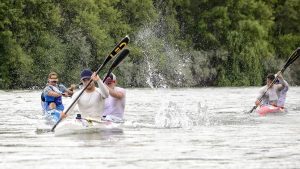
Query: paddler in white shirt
276, 94
115, 103
91, 102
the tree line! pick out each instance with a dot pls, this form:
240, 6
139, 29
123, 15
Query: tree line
174, 43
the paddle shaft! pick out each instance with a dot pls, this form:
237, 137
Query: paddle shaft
114, 52
290, 60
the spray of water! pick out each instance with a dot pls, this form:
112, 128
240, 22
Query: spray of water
172, 117
164, 66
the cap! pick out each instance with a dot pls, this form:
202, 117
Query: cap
86, 73
110, 78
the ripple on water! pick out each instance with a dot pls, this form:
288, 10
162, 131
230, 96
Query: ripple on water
172, 128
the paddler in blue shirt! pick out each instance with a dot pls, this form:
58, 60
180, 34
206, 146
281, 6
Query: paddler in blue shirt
52, 93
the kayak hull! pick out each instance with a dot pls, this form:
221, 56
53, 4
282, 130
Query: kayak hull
269, 109
51, 116
76, 126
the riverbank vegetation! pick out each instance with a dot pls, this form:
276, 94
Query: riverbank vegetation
174, 43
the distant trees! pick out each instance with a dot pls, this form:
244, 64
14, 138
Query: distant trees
179, 43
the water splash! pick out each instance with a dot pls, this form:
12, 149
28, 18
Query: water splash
172, 117
163, 64
203, 115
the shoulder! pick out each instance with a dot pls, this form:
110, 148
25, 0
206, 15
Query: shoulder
47, 88
278, 87
263, 89
119, 89
76, 93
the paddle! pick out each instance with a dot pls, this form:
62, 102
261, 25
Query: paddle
113, 53
290, 60
116, 62
94, 121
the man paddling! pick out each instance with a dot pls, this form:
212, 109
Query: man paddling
91, 102
52, 93
115, 103
276, 94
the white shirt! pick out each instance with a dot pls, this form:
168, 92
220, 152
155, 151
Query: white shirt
91, 104
271, 96
114, 106
282, 93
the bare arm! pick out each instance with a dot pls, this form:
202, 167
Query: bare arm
54, 94
282, 83
260, 95
68, 93
257, 102
116, 94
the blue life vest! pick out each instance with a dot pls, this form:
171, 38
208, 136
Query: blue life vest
56, 100
49, 99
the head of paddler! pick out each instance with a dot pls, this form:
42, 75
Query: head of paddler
53, 78
111, 80
270, 79
85, 77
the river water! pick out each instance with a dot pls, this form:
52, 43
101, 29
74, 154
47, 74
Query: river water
164, 128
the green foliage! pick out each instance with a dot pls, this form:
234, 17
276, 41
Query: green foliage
178, 43
15, 64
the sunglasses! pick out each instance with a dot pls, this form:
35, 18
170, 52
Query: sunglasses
54, 81
109, 81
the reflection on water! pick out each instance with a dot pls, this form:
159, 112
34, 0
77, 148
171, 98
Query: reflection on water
97, 135
164, 128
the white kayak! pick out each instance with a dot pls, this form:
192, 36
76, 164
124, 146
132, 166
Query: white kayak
77, 126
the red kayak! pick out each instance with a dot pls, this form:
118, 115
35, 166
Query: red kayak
267, 109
